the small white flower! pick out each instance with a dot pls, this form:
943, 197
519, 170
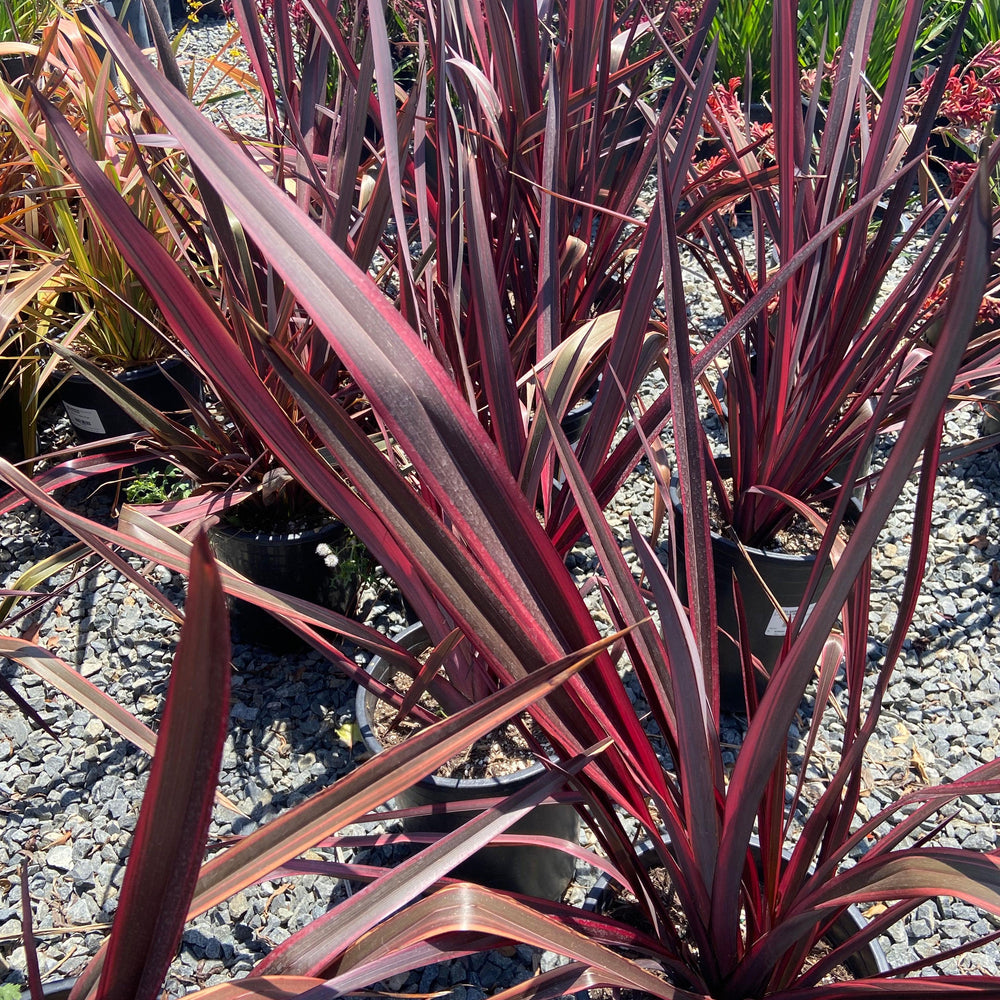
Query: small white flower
329, 557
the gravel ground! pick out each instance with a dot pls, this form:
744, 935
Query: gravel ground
69, 804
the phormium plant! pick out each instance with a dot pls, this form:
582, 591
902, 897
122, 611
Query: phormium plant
466, 541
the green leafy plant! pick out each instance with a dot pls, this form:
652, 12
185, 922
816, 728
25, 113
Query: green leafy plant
745, 33
64, 279
92, 300
158, 486
22, 20
981, 29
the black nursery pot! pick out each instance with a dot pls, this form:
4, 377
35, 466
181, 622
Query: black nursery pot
533, 871
868, 960
291, 563
785, 576
57, 989
11, 434
94, 415
13, 68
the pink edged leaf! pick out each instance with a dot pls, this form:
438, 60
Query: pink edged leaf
470, 908
28, 937
950, 987
266, 988
325, 939
76, 470
172, 830
428, 672
914, 874
174, 513
526, 610
46, 665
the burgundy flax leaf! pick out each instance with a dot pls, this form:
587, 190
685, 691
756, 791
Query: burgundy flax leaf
200, 328
701, 777
783, 695
914, 874
25, 707
176, 810
28, 937
584, 716
487, 316
271, 988
51, 669
325, 939
465, 907
90, 532
690, 460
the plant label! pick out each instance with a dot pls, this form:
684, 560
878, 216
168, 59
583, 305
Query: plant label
84, 419
778, 624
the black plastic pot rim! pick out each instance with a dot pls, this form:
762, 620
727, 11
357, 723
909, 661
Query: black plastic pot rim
54, 989
308, 535
140, 370
414, 637
786, 558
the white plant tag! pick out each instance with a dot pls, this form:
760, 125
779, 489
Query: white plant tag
84, 419
777, 625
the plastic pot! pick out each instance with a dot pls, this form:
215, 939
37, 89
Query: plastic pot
94, 415
11, 434
785, 575
533, 871
13, 68
989, 420
58, 989
292, 563
868, 960
576, 419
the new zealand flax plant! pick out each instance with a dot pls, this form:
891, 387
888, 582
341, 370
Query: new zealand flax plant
494, 335
64, 279
511, 172
856, 325
479, 553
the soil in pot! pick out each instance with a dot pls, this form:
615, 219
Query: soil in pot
784, 574
534, 871
612, 900
94, 415
318, 562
